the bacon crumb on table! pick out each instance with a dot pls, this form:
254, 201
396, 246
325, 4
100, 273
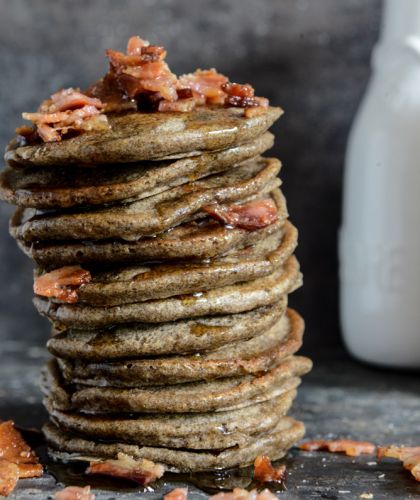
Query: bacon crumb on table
241, 494
9, 475
253, 215
141, 471
349, 447
75, 493
62, 283
409, 456
177, 494
264, 472
17, 460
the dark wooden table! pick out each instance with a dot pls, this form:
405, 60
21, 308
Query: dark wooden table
340, 398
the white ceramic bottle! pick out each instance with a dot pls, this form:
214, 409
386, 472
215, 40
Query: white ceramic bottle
380, 236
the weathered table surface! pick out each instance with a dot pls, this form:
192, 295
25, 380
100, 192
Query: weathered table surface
340, 398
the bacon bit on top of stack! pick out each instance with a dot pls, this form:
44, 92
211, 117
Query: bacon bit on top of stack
62, 283
409, 456
141, 471
75, 493
349, 447
264, 472
17, 460
139, 79
66, 110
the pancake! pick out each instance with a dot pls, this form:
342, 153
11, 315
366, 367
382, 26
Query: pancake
157, 213
139, 283
150, 136
274, 444
236, 298
189, 430
177, 337
253, 356
194, 397
202, 239
47, 188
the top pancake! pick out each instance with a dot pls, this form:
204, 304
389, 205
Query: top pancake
63, 187
150, 136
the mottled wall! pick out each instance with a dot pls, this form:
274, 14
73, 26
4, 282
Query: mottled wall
309, 56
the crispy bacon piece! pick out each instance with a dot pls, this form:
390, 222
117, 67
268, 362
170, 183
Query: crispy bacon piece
135, 45
206, 84
62, 283
264, 472
67, 109
107, 90
409, 456
216, 89
17, 460
25, 130
9, 475
253, 215
181, 105
242, 96
255, 111
349, 447
75, 493
141, 471
14, 449
143, 69
177, 494
241, 494
68, 99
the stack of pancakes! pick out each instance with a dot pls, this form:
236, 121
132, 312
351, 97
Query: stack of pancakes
181, 347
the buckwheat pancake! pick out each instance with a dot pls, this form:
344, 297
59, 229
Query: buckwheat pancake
139, 283
150, 136
274, 444
201, 239
63, 187
157, 213
177, 337
236, 298
188, 430
256, 355
193, 397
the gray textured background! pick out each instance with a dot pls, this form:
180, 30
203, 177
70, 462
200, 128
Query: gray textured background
309, 56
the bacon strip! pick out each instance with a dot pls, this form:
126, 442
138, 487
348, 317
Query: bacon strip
62, 283
253, 215
17, 460
177, 494
141, 471
75, 493
264, 472
349, 447
67, 109
241, 494
409, 456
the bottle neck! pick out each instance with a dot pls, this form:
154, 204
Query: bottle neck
400, 19
399, 41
